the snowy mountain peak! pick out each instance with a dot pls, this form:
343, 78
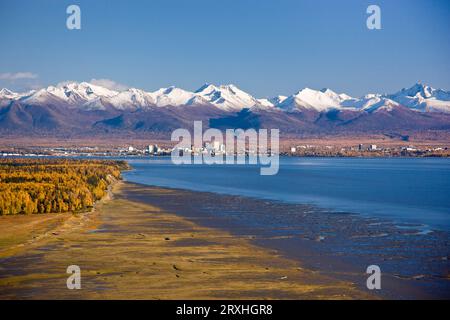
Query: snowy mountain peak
327, 91
132, 98
277, 100
5, 91
226, 97
229, 98
418, 90
206, 88
320, 100
7, 94
171, 96
370, 103
423, 98
86, 90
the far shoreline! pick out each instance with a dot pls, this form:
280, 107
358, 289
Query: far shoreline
431, 144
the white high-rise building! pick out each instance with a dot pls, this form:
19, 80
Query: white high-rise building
216, 146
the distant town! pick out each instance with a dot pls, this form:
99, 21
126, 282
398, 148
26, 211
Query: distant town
368, 150
218, 149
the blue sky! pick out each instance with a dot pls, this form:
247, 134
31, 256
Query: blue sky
265, 47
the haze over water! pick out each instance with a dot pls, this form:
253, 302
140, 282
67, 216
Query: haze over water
407, 190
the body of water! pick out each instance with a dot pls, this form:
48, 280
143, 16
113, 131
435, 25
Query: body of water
406, 190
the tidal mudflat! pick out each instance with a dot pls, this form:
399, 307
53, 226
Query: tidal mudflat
131, 248
413, 258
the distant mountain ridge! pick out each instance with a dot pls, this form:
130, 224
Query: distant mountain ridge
73, 108
90, 96
230, 98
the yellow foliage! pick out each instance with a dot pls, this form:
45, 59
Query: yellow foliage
30, 186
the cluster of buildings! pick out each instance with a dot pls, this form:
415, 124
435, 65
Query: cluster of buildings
211, 148
217, 148
214, 148
366, 150
371, 147
151, 149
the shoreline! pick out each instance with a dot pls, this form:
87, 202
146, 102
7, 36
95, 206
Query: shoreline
130, 249
285, 155
407, 274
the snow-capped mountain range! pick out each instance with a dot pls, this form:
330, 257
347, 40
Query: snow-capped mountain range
84, 109
228, 98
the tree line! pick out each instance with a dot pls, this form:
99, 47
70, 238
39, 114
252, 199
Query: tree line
29, 186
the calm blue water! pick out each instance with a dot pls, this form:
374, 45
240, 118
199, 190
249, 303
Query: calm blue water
405, 190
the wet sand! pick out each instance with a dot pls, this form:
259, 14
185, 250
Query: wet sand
414, 260
130, 247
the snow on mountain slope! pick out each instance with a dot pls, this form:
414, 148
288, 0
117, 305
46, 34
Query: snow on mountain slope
326, 99
227, 97
423, 98
8, 94
337, 98
307, 98
87, 91
72, 93
132, 99
271, 102
171, 96
197, 100
277, 100
370, 103
44, 96
91, 105
266, 103
88, 96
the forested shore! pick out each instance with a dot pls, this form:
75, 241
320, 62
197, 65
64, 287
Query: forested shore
29, 186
